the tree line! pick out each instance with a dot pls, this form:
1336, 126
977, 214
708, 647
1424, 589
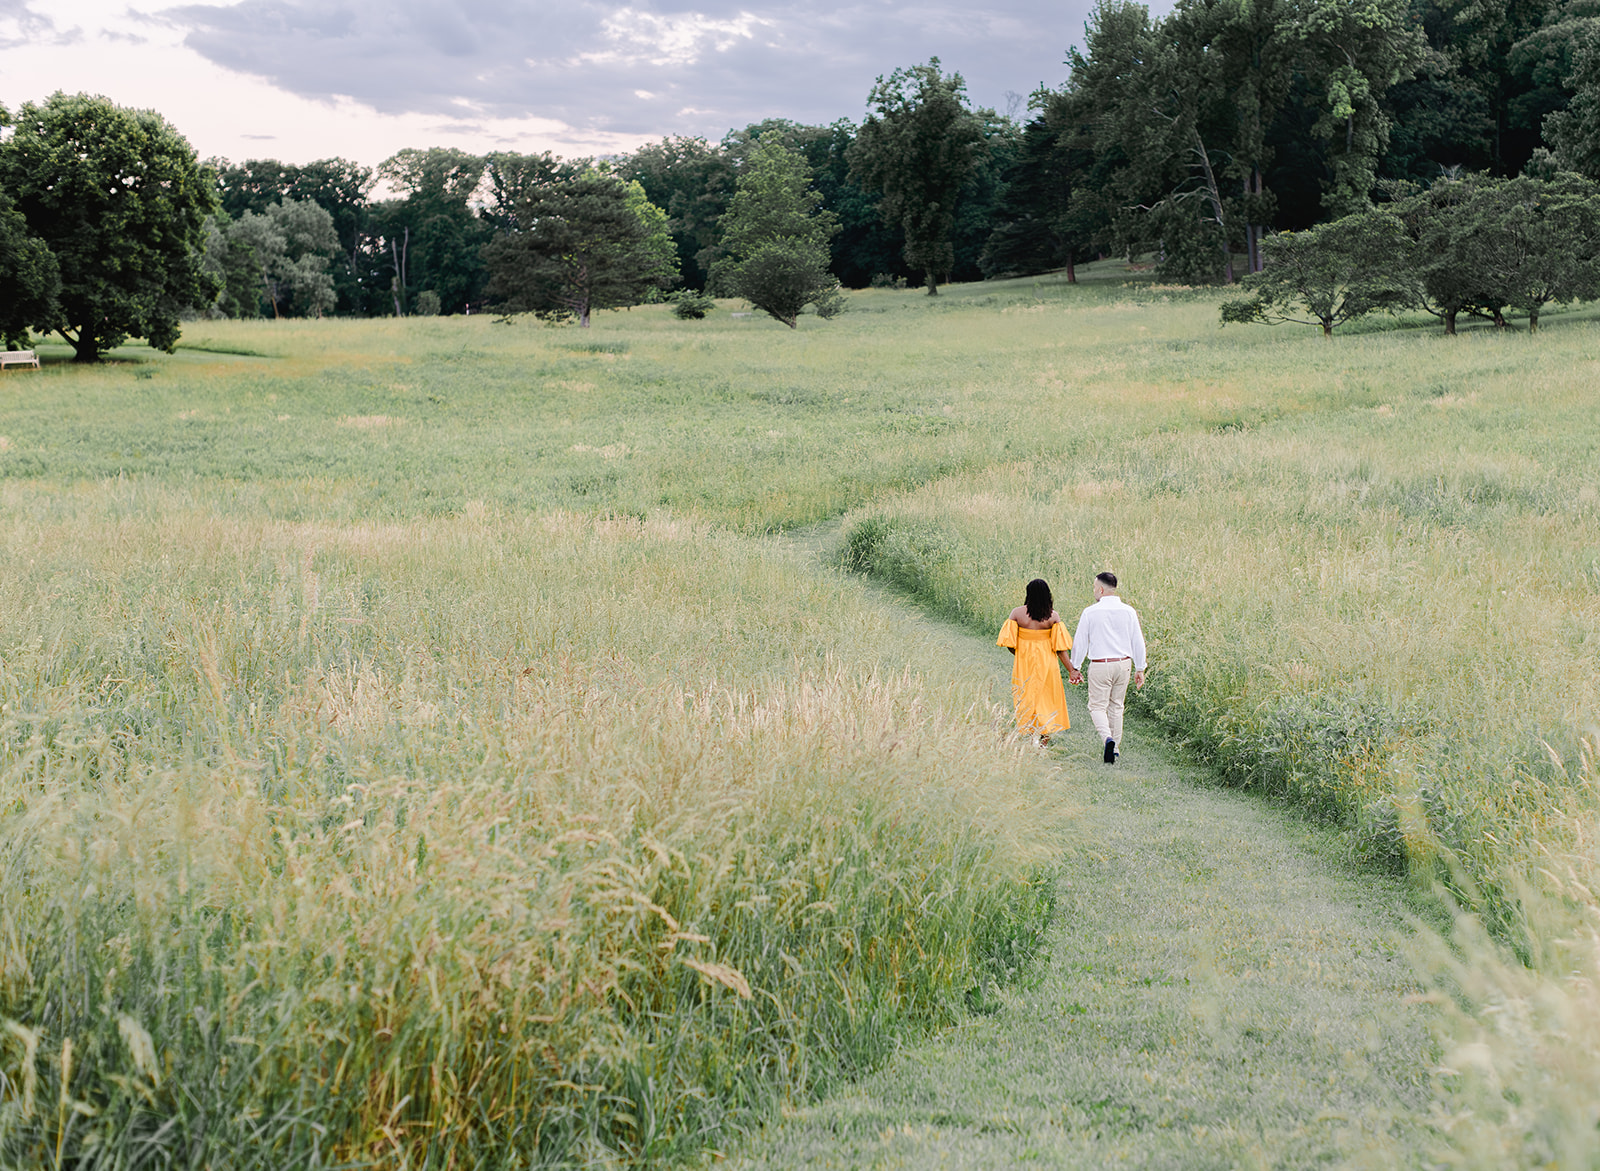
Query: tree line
912, 192
1196, 137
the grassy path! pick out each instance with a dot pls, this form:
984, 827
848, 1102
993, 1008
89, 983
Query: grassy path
1223, 992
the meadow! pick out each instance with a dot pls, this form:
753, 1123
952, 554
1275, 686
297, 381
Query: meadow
423, 743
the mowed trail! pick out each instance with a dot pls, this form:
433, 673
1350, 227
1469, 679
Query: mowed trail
1223, 991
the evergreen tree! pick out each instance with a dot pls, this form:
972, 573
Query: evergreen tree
581, 245
1027, 238
511, 179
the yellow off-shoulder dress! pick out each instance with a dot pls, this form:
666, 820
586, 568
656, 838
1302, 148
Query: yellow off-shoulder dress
1036, 676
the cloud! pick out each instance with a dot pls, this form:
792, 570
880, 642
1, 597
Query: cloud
20, 26
643, 68
643, 38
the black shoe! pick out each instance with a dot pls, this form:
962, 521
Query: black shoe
1111, 751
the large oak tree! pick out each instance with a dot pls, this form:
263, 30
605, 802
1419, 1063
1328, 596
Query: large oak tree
119, 198
30, 280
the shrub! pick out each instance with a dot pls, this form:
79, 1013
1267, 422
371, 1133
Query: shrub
691, 304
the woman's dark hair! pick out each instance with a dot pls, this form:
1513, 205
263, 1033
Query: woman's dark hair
1037, 600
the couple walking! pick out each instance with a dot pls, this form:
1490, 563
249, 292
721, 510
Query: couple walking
1108, 636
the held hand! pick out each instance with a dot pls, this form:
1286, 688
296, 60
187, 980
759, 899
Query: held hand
1074, 677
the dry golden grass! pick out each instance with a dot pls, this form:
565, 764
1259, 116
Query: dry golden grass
469, 841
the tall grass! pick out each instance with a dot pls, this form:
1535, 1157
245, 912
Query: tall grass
1523, 1063
1384, 615
273, 602
476, 842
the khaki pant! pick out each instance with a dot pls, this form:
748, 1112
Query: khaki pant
1108, 687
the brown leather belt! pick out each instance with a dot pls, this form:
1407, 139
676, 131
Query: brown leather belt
1118, 659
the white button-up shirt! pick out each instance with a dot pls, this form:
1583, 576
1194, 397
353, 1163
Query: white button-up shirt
1109, 629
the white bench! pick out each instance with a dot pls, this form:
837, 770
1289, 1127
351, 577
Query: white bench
18, 358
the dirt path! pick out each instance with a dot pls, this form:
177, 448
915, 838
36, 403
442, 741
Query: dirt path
1224, 992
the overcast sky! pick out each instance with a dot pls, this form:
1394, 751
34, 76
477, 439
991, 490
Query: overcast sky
304, 79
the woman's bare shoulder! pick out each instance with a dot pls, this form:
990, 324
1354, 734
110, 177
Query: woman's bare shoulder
1055, 616
1019, 614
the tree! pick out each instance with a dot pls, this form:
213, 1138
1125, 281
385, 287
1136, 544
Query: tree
1574, 133
1177, 133
865, 245
1522, 243
1192, 134
431, 238
30, 279
1452, 230
120, 200
1053, 209
692, 181
776, 235
1354, 51
1504, 50
236, 254
1026, 239
1165, 122
339, 186
1440, 122
581, 245
1328, 275
281, 255
978, 202
918, 150
510, 180
659, 251
1548, 246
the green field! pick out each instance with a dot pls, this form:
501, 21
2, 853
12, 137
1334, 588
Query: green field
434, 742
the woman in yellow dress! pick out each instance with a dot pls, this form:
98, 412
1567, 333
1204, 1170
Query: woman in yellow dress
1038, 638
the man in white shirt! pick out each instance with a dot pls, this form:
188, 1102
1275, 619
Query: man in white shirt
1108, 636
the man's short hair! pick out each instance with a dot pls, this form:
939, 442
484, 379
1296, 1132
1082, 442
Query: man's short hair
1107, 579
